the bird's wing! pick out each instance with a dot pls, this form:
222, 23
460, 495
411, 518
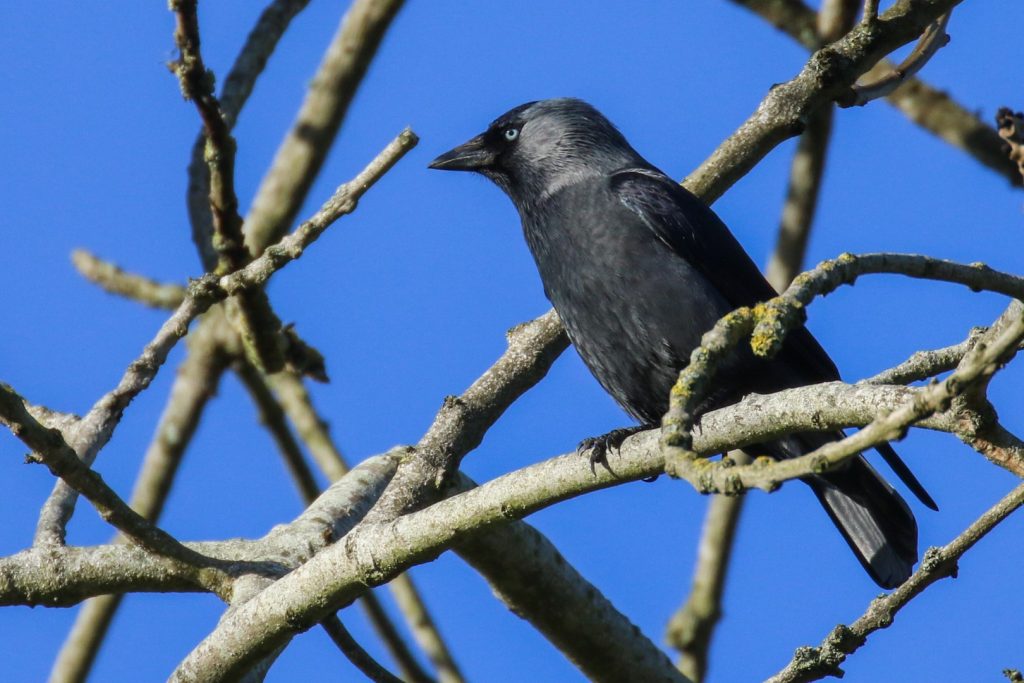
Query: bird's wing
693, 232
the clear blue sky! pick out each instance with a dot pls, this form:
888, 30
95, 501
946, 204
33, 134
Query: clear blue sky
409, 299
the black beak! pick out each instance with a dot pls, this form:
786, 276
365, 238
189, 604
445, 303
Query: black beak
469, 156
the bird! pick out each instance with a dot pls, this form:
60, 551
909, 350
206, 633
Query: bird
638, 268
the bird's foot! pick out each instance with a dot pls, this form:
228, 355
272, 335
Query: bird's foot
598, 447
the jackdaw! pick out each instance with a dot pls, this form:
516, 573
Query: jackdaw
638, 269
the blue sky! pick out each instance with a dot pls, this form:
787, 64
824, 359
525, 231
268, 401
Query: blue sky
410, 296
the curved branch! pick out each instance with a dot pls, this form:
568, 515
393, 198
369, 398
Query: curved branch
932, 40
767, 324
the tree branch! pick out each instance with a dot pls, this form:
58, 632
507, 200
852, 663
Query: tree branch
801, 200
932, 40
304, 149
49, 448
814, 663
827, 75
933, 110
767, 324
96, 428
249, 64
195, 384
136, 287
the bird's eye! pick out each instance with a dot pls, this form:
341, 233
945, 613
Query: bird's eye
511, 134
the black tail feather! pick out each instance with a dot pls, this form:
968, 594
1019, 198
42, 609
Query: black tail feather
906, 476
875, 521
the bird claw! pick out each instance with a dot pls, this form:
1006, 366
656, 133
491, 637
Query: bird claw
598, 447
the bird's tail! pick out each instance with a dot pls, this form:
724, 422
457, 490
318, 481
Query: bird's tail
873, 518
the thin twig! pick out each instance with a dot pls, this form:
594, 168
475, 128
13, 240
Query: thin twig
272, 417
814, 663
424, 630
691, 628
298, 160
197, 85
932, 40
116, 281
238, 85
355, 653
311, 428
927, 364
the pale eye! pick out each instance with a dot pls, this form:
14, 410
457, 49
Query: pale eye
511, 134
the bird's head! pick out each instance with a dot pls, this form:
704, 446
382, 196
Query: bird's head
538, 147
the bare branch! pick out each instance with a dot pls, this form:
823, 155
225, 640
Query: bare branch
542, 587
194, 385
801, 200
410, 602
766, 324
238, 85
136, 287
933, 110
49, 448
425, 632
461, 423
926, 364
303, 151
932, 40
96, 428
311, 428
355, 652
692, 626
62, 576
197, 85
977, 366
829, 73
272, 417
1011, 129
814, 663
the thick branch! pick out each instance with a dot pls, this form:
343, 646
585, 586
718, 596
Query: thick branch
829, 73
543, 588
373, 553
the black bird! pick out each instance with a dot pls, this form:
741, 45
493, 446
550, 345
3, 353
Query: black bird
638, 269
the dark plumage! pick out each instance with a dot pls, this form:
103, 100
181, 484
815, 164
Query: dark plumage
638, 269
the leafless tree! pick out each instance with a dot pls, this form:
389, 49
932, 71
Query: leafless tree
407, 506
